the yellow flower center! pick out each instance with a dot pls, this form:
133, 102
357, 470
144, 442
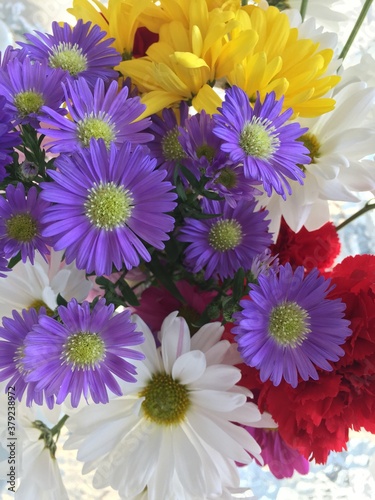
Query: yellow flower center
225, 235
172, 149
108, 206
28, 102
95, 127
166, 400
289, 324
312, 144
206, 151
257, 139
84, 349
37, 304
21, 227
227, 178
68, 57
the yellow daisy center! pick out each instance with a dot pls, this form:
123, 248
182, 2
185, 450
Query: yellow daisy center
289, 324
257, 140
21, 227
68, 57
225, 235
28, 102
108, 206
312, 144
206, 151
84, 349
166, 400
37, 304
95, 127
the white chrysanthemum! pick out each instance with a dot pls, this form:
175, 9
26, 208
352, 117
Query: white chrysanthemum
338, 142
326, 13
39, 284
173, 433
37, 473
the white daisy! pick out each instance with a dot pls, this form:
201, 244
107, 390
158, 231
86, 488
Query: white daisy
338, 142
39, 284
173, 433
36, 468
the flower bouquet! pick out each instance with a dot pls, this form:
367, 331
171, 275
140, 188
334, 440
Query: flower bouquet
169, 284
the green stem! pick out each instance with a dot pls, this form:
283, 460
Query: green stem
368, 206
303, 8
355, 30
60, 424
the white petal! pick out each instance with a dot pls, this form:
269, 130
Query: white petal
217, 400
189, 367
207, 336
175, 339
219, 377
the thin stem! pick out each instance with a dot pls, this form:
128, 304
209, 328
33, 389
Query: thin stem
355, 30
60, 424
368, 206
303, 8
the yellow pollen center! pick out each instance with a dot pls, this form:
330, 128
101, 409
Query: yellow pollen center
257, 139
225, 235
95, 127
28, 102
108, 206
68, 57
172, 149
289, 324
21, 227
84, 350
206, 151
312, 144
37, 304
166, 400
227, 178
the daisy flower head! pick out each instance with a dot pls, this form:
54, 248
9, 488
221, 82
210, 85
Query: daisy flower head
39, 284
9, 138
228, 240
82, 50
259, 137
82, 354
184, 406
106, 203
289, 327
12, 345
27, 86
96, 113
20, 222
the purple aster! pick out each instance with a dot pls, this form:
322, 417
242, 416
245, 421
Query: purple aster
12, 344
258, 137
289, 326
20, 222
225, 243
165, 146
27, 86
82, 354
9, 139
281, 458
106, 202
229, 182
82, 50
95, 114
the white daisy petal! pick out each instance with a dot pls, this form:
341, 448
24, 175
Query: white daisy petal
189, 367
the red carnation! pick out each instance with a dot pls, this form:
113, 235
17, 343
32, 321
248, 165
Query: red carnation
310, 249
316, 416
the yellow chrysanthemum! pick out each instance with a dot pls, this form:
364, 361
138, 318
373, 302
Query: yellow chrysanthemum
120, 19
283, 63
187, 59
